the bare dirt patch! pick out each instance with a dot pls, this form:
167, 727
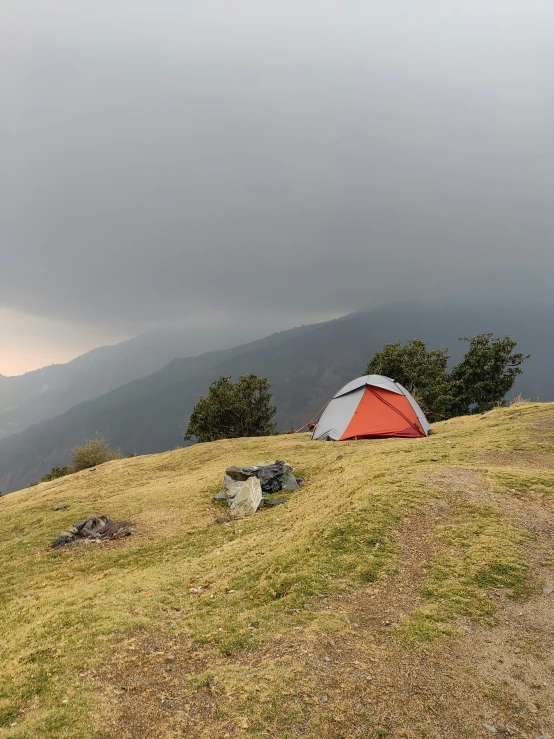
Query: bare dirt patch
544, 427
530, 512
531, 460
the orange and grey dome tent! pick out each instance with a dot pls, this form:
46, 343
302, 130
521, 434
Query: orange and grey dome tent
371, 407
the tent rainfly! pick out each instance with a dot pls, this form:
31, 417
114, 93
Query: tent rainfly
371, 407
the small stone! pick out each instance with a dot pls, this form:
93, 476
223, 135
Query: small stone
222, 495
490, 728
306, 606
14, 723
170, 657
324, 698
434, 459
548, 590
327, 659
272, 502
289, 481
222, 519
254, 625
61, 506
65, 700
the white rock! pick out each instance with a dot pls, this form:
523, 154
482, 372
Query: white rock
246, 500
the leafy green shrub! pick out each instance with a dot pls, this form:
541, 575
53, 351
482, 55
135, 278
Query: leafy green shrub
54, 473
484, 376
422, 372
233, 410
478, 383
93, 452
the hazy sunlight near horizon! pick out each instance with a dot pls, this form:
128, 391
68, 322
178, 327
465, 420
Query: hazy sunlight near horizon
31, 345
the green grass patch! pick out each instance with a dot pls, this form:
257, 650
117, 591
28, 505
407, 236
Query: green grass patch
536, 483
480, 551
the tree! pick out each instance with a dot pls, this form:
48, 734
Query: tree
422, 372
232, 410
478, 383
93, 452
486, 373
54, 473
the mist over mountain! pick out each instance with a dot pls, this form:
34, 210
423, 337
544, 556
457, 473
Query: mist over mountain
35, 396
306, 366
236, 163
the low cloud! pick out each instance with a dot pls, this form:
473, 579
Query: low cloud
271, 163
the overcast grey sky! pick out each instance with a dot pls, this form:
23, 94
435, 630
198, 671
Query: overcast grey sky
268, 163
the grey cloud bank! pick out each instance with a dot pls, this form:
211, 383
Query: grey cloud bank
268, 163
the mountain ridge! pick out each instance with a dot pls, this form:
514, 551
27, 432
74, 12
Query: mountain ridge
305, 366
37, 395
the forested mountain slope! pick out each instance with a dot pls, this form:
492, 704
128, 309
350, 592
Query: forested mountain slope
305, 367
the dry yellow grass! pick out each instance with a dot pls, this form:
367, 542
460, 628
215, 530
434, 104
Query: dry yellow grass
396, 552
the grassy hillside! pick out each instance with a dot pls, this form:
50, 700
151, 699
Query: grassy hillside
306, 366
398, 594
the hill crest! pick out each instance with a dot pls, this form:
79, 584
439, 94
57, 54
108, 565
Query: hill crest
305, 366
403, 568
